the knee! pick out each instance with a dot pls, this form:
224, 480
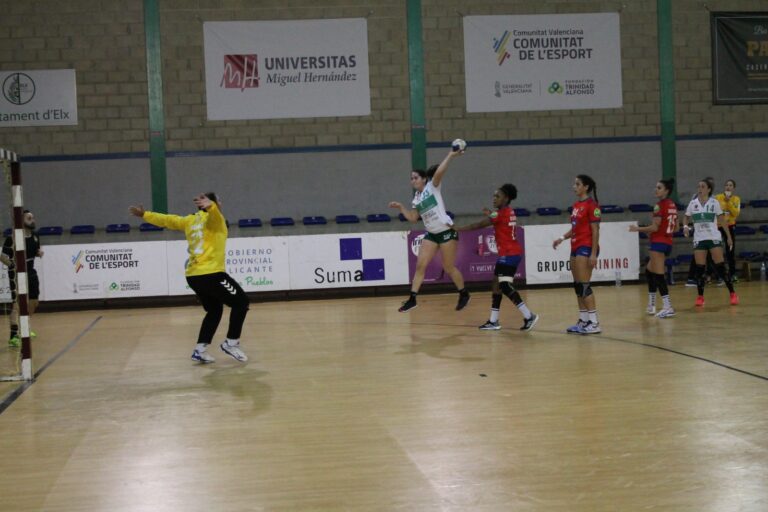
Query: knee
583, 290
506, 287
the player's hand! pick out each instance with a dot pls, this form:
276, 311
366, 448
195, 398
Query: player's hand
395, 204
138, 211
202, 201
556, 243
487, 212
593, 261
634, 228
39, 253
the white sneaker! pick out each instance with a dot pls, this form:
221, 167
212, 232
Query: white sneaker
202, 357
591, 328
234, 351
578, 328
666, 313
651, 309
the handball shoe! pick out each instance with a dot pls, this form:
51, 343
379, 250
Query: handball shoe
408, 305
651, 309
591, 328
734, 299
202, 357
576, 329
699, 301
490, 326
530, 322
234, 351
463, 301
15, 341
666, 313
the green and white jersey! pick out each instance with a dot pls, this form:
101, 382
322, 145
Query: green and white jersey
704, 219
429, 203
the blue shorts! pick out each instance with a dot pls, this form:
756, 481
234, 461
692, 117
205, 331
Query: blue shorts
661, 247
582, 250
507, 266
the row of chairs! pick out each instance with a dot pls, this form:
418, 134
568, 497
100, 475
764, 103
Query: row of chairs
614, 208
738, 230
320, 220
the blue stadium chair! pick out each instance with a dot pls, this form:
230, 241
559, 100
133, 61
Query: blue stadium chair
681, 207
314, 220
249, 223
744, 230
450, 214
640, 207
549, 210
347, 219
83, 229
750, 255
522, 212
611, 208
281, 221
118, 228
759, 203
378, 217
643, 235
7, 232
678, 234
146, 226
764, 229
401, 217
570, 209
50, 230
684, 258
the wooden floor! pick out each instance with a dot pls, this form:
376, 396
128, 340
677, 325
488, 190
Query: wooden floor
349, 405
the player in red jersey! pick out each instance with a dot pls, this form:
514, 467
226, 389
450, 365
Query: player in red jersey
661, 230
504, 220
585, 238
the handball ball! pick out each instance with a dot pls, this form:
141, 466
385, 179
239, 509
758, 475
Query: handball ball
459, 145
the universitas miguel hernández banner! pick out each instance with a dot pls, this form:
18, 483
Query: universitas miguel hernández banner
281, 69
38, 98
542, 62
739, 57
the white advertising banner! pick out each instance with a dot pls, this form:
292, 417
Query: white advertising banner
349, 260
38, 98
258, 264
97, 271
619, 252
281, 69
542, 62
5, 285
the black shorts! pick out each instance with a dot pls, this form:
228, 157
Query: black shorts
33, 284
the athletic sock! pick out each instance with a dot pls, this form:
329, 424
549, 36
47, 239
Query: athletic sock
524, 310
201, 347
592, 317
584, 315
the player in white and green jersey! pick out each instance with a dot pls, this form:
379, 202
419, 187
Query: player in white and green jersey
706, 214
428, 205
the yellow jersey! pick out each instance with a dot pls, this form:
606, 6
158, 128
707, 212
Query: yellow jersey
731, 207
206, 233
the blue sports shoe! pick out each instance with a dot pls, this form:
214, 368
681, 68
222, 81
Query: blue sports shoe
578, 328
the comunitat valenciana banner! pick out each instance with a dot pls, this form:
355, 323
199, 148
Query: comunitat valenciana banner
281, 69
97, 271
739, 57
619, 254
542, 62
38, 98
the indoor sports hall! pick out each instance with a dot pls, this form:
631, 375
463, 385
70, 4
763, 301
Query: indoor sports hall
410, 255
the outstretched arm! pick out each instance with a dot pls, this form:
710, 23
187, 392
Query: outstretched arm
438, 177
159, 219
411, 215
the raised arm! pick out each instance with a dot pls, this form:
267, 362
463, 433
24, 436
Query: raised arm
443, 167
163, 220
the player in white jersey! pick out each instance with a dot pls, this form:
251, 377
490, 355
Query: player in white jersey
428, 205
707, 215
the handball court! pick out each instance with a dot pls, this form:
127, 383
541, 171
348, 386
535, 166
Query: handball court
349, 405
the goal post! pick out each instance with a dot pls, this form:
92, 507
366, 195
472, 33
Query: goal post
20, 368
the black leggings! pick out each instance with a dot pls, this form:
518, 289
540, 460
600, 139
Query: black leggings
215, 290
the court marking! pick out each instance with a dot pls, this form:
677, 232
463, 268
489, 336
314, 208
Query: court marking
16, 393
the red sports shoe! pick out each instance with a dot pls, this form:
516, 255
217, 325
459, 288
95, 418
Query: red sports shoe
734, 299
699, 301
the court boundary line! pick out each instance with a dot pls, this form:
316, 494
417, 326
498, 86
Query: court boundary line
600, 337
16, 393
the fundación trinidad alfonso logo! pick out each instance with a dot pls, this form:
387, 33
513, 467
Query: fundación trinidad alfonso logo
555, 88
500, 47
18, 88
240, 72
77, 261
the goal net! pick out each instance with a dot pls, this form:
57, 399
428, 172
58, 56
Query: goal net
15, 349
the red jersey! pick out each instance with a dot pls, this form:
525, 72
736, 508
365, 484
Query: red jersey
584, 214
504, 221
667, 211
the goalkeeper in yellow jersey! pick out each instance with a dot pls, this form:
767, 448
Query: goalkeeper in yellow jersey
206, 233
